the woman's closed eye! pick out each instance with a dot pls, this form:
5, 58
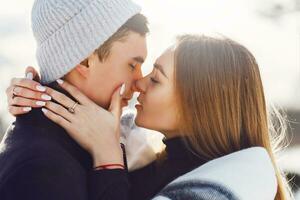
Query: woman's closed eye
153, 77
153, 80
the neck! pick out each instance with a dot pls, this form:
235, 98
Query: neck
74, 79
82, 84
171, 134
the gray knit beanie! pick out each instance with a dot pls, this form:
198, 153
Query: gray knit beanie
68, 31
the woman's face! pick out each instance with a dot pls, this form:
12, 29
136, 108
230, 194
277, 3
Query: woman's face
156, 108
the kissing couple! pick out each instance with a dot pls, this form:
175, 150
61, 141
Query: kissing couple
204, 94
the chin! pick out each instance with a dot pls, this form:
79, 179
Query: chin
141, 122
103, 104
138, 120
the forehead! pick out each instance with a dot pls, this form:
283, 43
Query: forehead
133, 45
166, 60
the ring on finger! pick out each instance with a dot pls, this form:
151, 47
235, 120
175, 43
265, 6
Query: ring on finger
72, 109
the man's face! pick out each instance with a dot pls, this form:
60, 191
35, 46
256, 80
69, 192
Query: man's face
123, 65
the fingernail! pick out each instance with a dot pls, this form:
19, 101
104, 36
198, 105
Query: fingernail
46, 97
27, 109
122, 90
40, 103
44, 110
29, 75
40, 88
59, 81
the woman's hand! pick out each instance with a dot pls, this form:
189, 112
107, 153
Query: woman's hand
23, 94
95, 129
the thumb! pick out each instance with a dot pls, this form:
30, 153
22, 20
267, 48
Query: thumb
115, 104
31, 74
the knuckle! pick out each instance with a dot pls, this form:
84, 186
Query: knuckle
72, 90
56, 107
28, 93
50, 92
17, 90
54, 94
63, 98
49, 104
52, 106
16, 100
37, 95
20, 91
60, 97
32, 84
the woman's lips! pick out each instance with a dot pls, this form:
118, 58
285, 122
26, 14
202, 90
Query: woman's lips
138, 105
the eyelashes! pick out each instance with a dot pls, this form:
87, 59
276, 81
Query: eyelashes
153, 80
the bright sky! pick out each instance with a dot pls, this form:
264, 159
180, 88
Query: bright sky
275, 43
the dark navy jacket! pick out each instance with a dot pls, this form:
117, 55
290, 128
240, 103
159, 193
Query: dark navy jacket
39, 160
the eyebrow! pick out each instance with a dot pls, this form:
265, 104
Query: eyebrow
139, 59
160, 68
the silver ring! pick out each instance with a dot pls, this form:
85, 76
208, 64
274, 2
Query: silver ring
72, 109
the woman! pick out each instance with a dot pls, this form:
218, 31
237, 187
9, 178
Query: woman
206, 96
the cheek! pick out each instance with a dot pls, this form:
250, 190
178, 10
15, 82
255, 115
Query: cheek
158, 111
102, 88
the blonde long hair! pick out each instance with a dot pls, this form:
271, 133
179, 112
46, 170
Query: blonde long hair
221, 101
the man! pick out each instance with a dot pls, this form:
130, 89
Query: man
95, 45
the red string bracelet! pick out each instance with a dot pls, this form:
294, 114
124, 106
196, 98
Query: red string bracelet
108, 166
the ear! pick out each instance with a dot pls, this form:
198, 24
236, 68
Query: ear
83, 70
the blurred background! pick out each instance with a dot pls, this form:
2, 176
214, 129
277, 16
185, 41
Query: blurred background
269, 28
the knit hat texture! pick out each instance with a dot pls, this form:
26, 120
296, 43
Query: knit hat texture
68, 31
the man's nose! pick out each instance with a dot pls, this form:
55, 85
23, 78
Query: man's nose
137, 77
139, 85
134, 86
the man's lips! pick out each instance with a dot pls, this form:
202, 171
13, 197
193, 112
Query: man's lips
124, 102
139, 100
